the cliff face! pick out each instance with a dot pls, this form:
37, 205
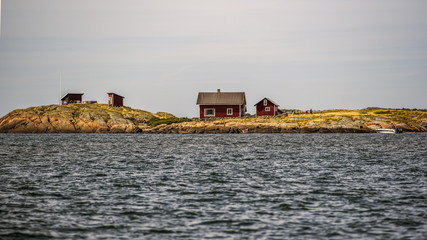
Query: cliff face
100, 118
76, 118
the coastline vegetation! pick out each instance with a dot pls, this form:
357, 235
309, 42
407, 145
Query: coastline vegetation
155, 121
337, 117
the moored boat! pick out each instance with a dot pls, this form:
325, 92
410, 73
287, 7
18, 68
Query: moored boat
385, 130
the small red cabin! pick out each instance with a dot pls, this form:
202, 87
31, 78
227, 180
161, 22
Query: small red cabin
72, 98
221, 104
115, 100
266, 107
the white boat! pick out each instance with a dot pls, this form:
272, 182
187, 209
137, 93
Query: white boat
385, 130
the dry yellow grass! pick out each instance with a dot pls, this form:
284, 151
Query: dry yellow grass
340, 116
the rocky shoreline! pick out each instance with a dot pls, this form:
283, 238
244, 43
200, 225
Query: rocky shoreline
217, 127
100, 118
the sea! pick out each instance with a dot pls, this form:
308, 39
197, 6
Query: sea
219, 186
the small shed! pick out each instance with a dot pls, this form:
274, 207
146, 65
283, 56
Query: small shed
72, 98
267, 107
115, 100
221, 104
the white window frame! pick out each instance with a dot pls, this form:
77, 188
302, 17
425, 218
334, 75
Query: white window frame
229, 111
209, 115
267, 109
265, 102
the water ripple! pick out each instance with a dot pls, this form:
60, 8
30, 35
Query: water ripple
258, 186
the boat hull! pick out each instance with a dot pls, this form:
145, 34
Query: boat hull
381, 130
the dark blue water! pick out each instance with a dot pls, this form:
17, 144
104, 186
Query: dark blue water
271, 186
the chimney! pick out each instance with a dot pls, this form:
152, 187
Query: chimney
218, 90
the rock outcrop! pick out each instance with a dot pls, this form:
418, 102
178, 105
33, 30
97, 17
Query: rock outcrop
76, 118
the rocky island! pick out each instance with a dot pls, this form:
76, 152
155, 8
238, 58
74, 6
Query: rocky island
77, 118
101, 118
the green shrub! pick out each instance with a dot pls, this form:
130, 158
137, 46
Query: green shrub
155, 121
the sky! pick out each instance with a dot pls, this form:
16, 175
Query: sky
159, 54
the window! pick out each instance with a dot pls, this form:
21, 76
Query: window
209, 112
265, 102
267, 109
229, 111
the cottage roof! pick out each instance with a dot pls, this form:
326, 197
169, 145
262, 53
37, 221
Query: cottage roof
66, 95
268, 100
221, 98
116, 94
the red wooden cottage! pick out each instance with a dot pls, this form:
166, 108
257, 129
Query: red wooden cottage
266, 107
115, 100
221, 104
72, 98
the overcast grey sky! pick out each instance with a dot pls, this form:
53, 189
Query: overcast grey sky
160, 53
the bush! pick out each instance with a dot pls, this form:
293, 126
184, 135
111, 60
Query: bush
155, 121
